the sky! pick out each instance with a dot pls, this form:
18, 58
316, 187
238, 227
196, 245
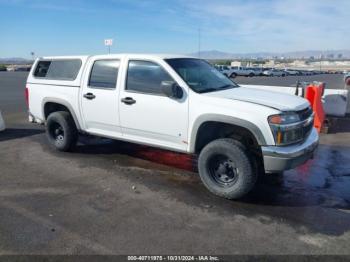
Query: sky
72, 27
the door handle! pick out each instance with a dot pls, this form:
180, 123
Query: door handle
128, 100
89, 96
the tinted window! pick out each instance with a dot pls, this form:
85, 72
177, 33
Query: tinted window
42, 68
200, 75
146, 77
104, 74
58, 69
68, 69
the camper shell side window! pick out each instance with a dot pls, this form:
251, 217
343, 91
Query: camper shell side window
58, 69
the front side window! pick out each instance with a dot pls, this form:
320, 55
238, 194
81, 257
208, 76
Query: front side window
58, 69
200, 75
104, 74
146, 77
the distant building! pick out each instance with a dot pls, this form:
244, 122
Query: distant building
270, 63
236, 63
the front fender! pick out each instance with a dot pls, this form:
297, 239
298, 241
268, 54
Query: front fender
255, 130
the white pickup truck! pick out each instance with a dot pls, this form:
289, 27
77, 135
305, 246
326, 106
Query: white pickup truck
174, 102
242, 71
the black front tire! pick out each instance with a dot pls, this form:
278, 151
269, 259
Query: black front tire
61, 131
226, 169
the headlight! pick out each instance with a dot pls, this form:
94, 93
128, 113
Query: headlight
283, 119
286, 128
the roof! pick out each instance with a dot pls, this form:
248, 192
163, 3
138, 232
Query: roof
138, 55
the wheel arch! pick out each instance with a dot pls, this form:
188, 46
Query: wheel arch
50, 105
242, 124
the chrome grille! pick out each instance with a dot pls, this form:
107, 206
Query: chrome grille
304, 115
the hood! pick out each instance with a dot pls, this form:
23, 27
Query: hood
279, 101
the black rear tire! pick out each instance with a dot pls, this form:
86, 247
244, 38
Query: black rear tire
226, 169
233, 75
61, 131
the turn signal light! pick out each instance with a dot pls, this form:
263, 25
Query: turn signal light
275, 119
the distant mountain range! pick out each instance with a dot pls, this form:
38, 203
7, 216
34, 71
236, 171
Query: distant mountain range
215, 54
15, 60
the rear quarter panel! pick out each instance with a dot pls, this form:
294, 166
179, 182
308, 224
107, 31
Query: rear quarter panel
64, 92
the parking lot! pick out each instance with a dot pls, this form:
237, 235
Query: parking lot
110, 197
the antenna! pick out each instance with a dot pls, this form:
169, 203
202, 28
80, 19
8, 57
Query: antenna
199, 42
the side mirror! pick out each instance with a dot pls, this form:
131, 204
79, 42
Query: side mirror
171, 89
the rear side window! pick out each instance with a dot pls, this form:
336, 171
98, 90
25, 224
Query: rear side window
104, 74
42, 68
58, 69
146, 77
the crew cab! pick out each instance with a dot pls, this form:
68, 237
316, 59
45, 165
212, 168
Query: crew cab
179, 103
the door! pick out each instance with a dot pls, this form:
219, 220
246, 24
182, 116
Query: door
146, 114
99, 99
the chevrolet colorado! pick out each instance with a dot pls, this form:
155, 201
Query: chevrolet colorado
174, 102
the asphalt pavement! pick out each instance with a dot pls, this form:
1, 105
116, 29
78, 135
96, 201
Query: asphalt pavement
109, 197
332, 81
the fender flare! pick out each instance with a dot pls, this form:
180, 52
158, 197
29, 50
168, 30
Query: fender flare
227, 120
61, 102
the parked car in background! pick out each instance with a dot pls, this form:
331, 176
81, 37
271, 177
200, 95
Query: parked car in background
259, 71
306, 72
242, 71
2, 123
275, 72
292, 72
226, 70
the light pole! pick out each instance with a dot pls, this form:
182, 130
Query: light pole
109, 43
199, 42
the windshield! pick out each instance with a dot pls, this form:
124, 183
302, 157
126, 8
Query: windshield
200, 75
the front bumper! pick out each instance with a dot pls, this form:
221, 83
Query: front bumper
280, 158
